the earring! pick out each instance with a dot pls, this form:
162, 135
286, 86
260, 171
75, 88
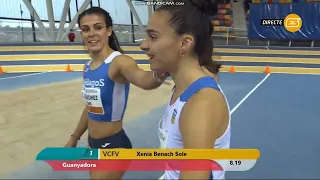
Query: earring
181, 53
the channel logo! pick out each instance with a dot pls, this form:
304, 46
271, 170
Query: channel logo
291, 22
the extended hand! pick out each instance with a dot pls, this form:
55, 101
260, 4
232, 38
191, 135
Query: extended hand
162, 76
72, 142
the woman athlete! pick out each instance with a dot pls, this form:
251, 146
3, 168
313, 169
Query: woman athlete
197, 116
106, 81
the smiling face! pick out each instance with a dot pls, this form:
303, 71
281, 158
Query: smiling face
94, 32
162, 44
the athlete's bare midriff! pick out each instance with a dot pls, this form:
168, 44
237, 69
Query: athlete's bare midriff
98, 129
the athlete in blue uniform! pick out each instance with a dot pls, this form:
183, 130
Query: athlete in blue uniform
197, 116
106, 81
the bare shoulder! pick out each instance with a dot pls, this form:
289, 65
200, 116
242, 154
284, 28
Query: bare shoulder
205, 114
124, 58
123, 61
206, 96
208, 104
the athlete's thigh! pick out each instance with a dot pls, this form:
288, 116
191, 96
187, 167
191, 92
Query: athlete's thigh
117, 141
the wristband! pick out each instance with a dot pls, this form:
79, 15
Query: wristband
72, 135
157, 78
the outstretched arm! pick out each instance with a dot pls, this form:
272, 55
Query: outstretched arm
202, 121
83, 122
130, 70
82, 125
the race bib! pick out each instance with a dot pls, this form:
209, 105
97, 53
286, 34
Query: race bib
92, 97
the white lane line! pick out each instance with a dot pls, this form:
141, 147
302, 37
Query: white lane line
25, 75
252, 91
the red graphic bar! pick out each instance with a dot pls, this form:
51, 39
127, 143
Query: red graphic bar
135, 165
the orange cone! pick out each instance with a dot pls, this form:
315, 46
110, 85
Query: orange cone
1, 71
68, 68
267, 70
232, 70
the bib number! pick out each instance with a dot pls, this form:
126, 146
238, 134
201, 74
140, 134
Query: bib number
92, 97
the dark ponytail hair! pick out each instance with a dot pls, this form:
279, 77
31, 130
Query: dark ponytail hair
205, 59
114, 43
194, 18
113, 40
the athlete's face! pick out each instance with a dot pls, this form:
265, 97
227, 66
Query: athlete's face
162, 44
95, 32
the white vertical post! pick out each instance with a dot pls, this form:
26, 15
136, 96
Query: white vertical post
135, 14
63, 19
51, 18
37, 19
150, 10
74, 19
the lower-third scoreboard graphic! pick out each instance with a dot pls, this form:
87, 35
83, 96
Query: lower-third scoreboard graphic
84, 159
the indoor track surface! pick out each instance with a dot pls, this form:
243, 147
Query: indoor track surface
275, 113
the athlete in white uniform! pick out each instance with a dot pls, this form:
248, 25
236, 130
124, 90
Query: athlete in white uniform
197, 116
169, 132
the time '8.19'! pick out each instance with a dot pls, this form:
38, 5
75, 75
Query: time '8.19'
235, 163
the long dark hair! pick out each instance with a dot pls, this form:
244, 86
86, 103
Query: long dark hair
194, 18
113, 40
